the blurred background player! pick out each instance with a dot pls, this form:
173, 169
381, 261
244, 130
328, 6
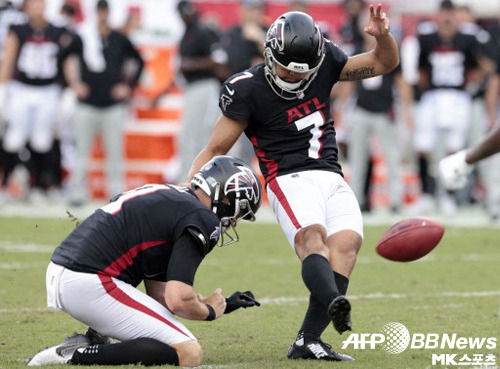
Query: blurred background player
374, 116
32, 60
9, 15
351, 40
198, 68
103, 90
483, 113
67, 107
244, 45
351, 31
447, 60
454, 169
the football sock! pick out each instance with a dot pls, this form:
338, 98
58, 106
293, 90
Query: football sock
342, 282
428, 183
316, 319
318, 277
368, 180
9, 163
145, 351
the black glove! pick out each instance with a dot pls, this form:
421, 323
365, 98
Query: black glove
240, 300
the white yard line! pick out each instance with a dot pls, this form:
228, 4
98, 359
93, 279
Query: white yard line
465, 218
19, 265
472, 257
26, 247
383, 296
29, 310
466, 258
284, 300
439, 306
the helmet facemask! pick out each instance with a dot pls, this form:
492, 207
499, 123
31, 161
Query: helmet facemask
236, 198
288, 90
276, 49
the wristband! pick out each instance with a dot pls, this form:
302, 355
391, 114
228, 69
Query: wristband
211, 313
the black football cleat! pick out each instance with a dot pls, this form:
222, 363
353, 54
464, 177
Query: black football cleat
315, 350
340, 313
97, 338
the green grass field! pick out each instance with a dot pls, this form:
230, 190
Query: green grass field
456, 289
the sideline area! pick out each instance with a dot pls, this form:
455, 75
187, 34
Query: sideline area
467, 217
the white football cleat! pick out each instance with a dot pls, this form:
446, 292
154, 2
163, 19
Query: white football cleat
60, 354
48, 356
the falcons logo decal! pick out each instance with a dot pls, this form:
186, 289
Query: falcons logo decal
244, 181
215, 235
275, 36
225, 101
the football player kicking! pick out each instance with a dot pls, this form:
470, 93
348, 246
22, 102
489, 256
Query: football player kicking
455, 168
283, 106
158, 234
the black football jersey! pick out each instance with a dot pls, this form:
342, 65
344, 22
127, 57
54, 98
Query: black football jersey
132, 237
376, 94
288, 135
39, 53
447, 61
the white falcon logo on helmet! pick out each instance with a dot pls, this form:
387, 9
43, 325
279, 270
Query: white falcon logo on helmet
244, 180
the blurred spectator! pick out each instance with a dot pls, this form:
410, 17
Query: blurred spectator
32, 60
244, 45
447, 60
197, 66
351, 39
374, 116
69, 100
103, 91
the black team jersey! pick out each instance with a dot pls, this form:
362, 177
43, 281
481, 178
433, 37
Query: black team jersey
117, 50
40, 52
447, 61
288, 135
376, 94
132, 238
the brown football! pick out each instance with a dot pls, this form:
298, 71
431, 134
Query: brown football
410, 239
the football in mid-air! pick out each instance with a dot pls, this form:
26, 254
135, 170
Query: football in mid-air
410, 239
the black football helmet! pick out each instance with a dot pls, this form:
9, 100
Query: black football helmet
234, 189
295, 42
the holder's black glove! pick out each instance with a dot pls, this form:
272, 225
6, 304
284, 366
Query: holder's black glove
240, 300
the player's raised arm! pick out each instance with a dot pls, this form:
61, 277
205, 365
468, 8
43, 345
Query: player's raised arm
383, 59
224, 135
